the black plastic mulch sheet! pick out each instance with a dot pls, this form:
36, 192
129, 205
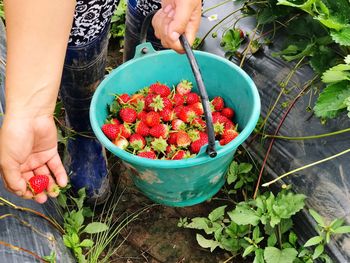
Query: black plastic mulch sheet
326, 185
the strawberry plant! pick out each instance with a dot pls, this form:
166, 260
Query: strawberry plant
158, 122
261, 229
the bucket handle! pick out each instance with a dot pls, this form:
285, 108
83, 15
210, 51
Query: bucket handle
211, 151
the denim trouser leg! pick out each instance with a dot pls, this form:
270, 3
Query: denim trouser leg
2, 69
133, 24
85, 159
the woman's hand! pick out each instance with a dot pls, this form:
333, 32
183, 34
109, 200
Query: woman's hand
177, 17
29, 147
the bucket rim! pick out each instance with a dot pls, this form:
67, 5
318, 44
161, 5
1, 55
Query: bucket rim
199, 159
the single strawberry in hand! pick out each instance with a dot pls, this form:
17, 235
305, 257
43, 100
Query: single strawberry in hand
38, 183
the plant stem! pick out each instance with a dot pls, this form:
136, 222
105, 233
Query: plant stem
13, 247
51, 221
306, 137
215, 6
248, 47
306, 166
277, 130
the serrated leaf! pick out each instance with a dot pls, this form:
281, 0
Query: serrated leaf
200, 223
217, 213
318, 218
342, 37
243, 214
207, 243
332, 100
95, 227
313, 241
342, 230
318, 251
337, 73
274, 255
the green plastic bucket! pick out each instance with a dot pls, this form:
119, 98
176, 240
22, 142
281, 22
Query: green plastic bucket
189, 181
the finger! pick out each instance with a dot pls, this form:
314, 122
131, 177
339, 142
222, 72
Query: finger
13, 180
28, 195
40, 198
183, 13
56, 167
191, 30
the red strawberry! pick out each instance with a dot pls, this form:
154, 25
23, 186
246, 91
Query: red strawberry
183, 139
121, 142
124, 131
179, 155
172, 138
187, 114
137, 142
178, 109
115, 122
228, 136
241, 33
159, 131
167, 114
178, 99
135, 98
199, 124
159, 103
159, 89
228, 112
141, 115
123, 98
197, 145
142, 128
218, 118
229, 125
192, 98
218, 103
178, 124
152, 118
38, 183
184, 87
198, 108
149, 100
148, 154
110, 130
128, 115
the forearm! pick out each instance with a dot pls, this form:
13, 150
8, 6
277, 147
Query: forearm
37, 36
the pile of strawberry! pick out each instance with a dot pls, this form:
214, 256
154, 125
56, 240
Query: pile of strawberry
159, 123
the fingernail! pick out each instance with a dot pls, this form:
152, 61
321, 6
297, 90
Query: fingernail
167, 8
174, 36
19, 193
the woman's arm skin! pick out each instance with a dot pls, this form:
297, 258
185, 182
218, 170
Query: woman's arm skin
37, 36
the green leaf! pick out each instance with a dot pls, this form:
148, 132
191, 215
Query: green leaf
231, 40
318, 251
342, 230
245, 168
307, 6
87, 243
331, 22
322, 59
272, 240
66, 241
332, 100
217, 213
248, 250
256, 233
259, 256
243, 214
337, 73
95, 227
200, 223
342, 37
292, 238
318, 218
313, 241
207, 243
232, 174
274, 255
336, 223
77, 219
